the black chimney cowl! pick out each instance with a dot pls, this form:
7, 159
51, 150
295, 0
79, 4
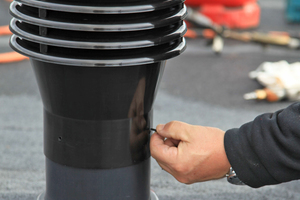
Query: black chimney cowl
98, 65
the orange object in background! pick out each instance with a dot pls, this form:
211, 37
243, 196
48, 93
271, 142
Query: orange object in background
4, 30
208, 33
243, 17
190, 34
11, 57
229, 3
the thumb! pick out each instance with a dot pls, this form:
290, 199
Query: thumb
175, 130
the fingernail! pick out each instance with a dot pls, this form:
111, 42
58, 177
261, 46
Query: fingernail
160, 127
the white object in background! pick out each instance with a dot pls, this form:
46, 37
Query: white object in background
280, 77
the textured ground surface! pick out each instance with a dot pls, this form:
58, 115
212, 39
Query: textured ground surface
198, 87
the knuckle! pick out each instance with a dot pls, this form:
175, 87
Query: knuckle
173, 125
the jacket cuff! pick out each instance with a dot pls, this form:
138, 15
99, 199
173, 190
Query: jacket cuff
243, 159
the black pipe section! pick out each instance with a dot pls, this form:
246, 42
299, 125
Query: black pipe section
63, 182
97, 117
98, 65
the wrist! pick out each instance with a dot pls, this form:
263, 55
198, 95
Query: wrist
221, 160
226, 164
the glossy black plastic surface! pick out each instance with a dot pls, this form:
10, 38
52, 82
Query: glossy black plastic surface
136, 57
92, 36
97, 118
97, 93
101, 7
97, 144
100, 54
92, 22
84, 40
95, 18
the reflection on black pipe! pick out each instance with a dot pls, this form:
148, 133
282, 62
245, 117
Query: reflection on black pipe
139, 134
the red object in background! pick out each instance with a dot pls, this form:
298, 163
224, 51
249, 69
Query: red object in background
196, 3
243, 17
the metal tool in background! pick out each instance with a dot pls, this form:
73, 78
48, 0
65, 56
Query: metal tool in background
219, 33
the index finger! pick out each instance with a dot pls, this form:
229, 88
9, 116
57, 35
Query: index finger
175, 130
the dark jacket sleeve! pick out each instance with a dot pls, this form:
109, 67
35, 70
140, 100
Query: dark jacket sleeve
266, 151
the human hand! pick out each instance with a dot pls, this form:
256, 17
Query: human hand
190, 153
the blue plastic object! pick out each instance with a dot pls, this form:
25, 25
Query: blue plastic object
293, 10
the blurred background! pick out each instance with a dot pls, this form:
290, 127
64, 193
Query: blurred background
221, 80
